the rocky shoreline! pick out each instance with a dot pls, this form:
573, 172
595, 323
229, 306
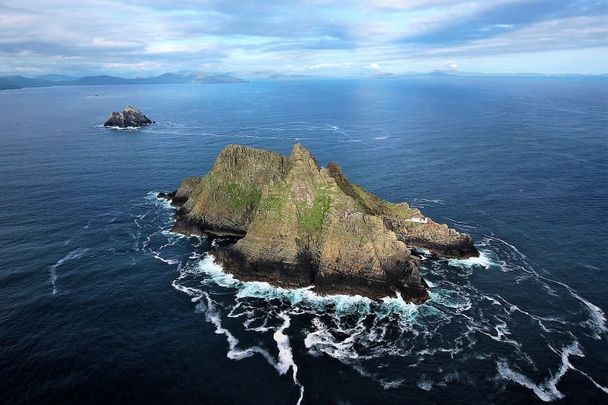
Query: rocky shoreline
296, 224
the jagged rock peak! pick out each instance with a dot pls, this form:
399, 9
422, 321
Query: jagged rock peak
299, 152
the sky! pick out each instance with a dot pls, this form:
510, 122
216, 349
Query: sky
315, 37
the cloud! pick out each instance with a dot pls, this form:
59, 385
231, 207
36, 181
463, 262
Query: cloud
134, 37
568, 33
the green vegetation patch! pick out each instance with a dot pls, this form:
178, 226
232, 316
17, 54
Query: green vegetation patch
233, 194
241, 196
311, 218
275, 200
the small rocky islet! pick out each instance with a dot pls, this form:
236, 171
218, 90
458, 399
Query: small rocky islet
130, 117
296, 224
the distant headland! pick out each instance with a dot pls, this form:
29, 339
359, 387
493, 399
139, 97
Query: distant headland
298, 224
18, 82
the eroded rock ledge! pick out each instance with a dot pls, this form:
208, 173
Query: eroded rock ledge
298, 224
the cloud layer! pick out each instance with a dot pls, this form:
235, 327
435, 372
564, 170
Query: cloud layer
337, 37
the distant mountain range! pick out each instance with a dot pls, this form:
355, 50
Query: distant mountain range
272, 75
19, 82
50, 80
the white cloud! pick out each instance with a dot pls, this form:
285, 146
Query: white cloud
567, 33
322, 35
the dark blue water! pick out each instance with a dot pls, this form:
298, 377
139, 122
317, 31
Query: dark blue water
100, 303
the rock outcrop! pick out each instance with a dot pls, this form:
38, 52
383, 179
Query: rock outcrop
129, 117
298, 224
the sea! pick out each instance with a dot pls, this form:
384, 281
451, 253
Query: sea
101, 303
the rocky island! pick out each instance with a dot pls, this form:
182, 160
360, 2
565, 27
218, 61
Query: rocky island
127, 118
296, 224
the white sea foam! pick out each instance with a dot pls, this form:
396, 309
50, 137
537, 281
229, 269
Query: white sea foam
258, 289
427, 200
597, 322
285, 353
342, 304
216, 272
192, 292
168, 261
502, 331
209, 307
73, 255
422, 251
152, 196
234, 353
390, 384
399, 306
483, 260
323, 341
539, 319
461, 224
519, 253
172, 240
424, 383
547, 390
456, 300
128, 129
599, 386
598, 318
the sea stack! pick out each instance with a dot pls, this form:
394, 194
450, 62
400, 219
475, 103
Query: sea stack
127, 118
296, 224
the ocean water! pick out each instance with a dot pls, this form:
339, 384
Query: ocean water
99, 302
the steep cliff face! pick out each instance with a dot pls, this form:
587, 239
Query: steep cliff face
223, 202
299, 224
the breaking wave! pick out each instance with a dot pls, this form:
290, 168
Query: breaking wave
476, 316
